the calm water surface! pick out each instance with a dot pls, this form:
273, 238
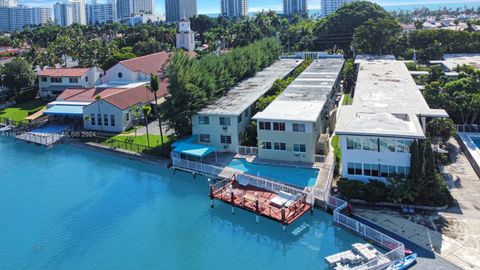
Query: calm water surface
69, 208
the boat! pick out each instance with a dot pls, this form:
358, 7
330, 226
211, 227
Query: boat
404, 263
408, 251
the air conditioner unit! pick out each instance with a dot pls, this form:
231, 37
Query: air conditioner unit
296, 154
225, 127
225, 146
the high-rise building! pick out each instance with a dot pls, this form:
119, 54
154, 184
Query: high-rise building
234, 8
8, 3
330, 6
100, 13
291, 7
176, 10
70, 12
17, 17
132, 8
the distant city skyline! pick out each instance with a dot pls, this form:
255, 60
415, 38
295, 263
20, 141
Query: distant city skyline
213, 6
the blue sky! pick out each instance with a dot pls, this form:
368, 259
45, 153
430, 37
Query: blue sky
213, 6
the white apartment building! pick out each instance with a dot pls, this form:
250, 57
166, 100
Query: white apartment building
223, 123
290, 127
8, 3
15, 18
100, 13
291, 7
330, 6
387, 115
234, 8
185, 36
52, 82
70, 12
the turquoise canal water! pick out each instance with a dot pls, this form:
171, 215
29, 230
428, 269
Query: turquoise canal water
70, 208
300, 177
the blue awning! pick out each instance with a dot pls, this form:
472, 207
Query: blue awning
67, 110
192, 149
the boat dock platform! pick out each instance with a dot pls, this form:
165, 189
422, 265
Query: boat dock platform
360, 254
281, 207
40, 139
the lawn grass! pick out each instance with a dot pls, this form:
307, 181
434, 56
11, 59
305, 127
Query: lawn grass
142, 139
19, 111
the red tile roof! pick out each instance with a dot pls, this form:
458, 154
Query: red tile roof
63, 72
130, 97
87, 95
148, 64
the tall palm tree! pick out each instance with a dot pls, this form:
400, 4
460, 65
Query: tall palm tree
146, 109
100, 120
154, 86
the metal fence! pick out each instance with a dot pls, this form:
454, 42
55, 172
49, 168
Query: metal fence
9, 122
397, 249
468, 128
248, 150
320, 158
38, 138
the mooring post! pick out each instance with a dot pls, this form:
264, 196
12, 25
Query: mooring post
211, 194
257, 208
283, 219
232, 200
313, 204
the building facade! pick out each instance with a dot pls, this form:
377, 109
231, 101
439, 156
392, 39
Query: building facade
52, 82
185, 36
386, 117
291, 7
101, 13
17, 17
70, 12
175, 10
330, 6
223, 123
290, 127
234, 8
8, 3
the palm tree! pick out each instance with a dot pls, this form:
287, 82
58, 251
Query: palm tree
136, 115
99, 99
146, 109
154, 86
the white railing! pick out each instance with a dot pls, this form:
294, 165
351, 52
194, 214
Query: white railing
240, 176
38, 138
468, 128
248, 150
397, 249
320, 158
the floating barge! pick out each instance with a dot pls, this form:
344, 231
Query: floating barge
281, 207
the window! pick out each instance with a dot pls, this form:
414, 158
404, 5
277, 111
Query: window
391, 145
92, 119
86, 78
224, 121
375, 170
112, 120
279, 146
278, 126
403, 171
99, 119
204, 138
299, 148
403, 146
267, 145
384, 171
265, 125
392, 170
354, 168
127, 117
225, 139
240, 118
354, 143
105, 119
44, 79
367, 169
73, 80
370, 144
56, 80
120, 75
387, 145
247, 112
204, 120
298, 127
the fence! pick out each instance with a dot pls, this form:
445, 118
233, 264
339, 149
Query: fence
468, 128
240, 176
9, 122
38, 138
397, 249
248, 150
126, 145
320, 158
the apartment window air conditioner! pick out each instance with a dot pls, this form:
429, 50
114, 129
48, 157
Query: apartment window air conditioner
296, 154
225, 146
225, 127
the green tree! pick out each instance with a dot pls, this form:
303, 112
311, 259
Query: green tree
377, 36
146, 109
18, 74
154, 86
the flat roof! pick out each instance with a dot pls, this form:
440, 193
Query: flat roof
304, 98
387, 102
452, 61
247, 92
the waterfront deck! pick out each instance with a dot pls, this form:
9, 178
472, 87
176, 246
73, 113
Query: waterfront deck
259, 201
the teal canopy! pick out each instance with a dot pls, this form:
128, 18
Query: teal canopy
192, 149
67, 110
